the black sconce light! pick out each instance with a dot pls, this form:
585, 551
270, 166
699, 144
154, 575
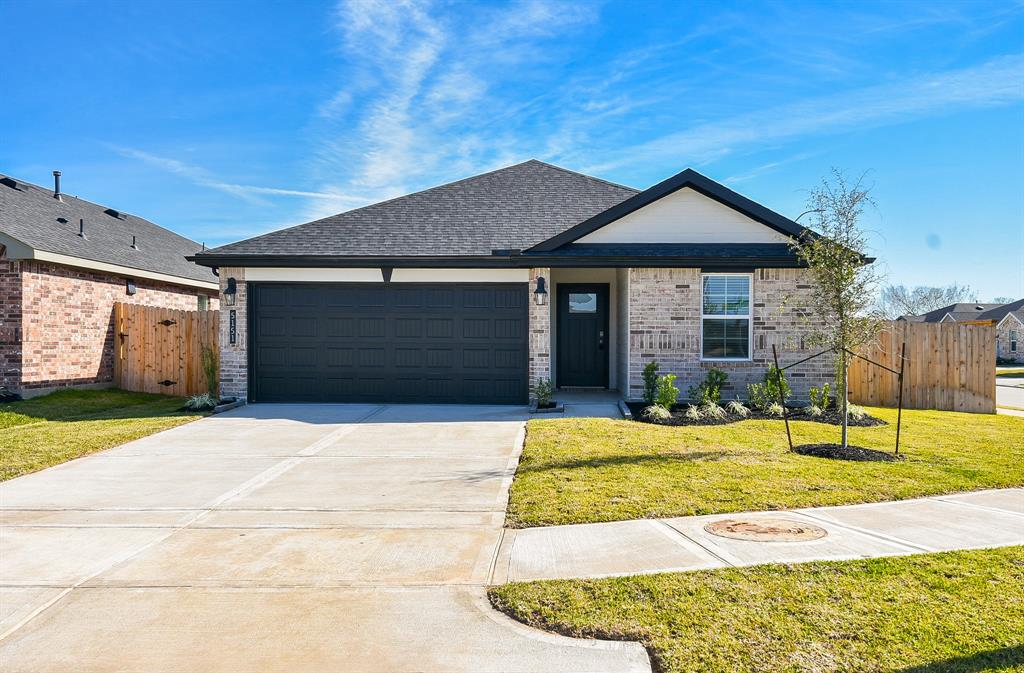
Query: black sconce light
230, 291
129, 287
540, 295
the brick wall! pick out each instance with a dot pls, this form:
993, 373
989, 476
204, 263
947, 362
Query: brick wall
664, 325
1003, 340
66, 321
540, 330
234, 362
10, 322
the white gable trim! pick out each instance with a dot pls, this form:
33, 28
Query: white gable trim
1009, 315
685, 216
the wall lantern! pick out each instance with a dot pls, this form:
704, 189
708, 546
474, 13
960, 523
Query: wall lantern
129, 287
540, 295
230, 291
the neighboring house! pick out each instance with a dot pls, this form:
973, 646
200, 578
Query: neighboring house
64, 262
475, 290
1007, 318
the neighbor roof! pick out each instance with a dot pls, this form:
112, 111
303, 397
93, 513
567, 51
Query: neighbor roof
959, 311
1014, 308
31, 215
508, 209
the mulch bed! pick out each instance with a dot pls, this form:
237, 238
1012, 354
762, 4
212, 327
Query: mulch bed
830, 417
837, 452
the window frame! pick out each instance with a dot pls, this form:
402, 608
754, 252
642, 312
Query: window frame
1013, 340
749, 316
199, 302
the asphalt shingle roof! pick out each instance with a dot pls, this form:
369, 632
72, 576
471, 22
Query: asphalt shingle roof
961, 311
510, 208
29, 213
1000, 311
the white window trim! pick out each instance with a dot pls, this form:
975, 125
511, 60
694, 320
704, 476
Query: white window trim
749, 317
1013, 340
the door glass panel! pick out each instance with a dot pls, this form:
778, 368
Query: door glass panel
582, 302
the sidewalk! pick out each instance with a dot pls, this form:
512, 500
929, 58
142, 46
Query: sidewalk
974, 520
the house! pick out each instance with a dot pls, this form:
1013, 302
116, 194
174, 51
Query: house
1007, 318
475, 290
64, 262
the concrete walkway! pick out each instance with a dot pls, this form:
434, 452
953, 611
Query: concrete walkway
291, 538
964, 521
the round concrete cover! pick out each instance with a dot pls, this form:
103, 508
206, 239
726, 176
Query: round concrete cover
766, 530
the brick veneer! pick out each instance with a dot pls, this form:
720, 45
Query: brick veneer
1003, 340
57, 322
540, 330
234, 360
664, 325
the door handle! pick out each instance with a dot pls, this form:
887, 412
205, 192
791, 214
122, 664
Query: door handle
600, 340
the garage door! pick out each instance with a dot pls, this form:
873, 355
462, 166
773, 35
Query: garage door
402, 342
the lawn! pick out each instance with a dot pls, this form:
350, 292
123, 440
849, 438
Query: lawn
587, 470
1011, 373
955, 611
45, 431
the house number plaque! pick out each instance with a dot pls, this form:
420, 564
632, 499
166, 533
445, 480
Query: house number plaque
232, 327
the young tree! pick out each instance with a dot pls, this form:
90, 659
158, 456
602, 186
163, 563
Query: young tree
899, 300
836, 253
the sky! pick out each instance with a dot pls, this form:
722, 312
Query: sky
224, 120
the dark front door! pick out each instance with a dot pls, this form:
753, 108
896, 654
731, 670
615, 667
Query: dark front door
582, 335
401, 342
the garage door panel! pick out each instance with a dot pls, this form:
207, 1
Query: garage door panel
390, 343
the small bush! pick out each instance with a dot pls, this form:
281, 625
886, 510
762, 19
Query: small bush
774, 409
656, 413
764, 394
712, 410
666, 393
856, 413
203, 402
693, 413
709, 391
820, 397
814, 411
650, 381
737, 408
542, 391
208, 358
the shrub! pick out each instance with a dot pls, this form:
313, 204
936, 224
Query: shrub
656, 413
666, 393
814, 411
856, 413
763, 394
712, 410
542, 391
737, 408
709, 391
693, 413
208, 357
820, 398
202, 402
774, 409
650, 381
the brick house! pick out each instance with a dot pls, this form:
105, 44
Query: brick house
64, 262
1007, 318
475, 290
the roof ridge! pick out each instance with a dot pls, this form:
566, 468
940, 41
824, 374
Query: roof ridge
583, 175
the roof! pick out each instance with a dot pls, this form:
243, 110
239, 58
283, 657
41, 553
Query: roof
959, 311
32, 216
1014, 308
508, 209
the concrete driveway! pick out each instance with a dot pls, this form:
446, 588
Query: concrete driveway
327, 538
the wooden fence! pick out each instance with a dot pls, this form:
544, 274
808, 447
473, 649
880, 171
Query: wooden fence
950, 366
159, 350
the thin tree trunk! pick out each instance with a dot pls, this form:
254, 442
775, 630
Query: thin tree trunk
846, 397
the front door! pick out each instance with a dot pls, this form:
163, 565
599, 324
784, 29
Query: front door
582, 335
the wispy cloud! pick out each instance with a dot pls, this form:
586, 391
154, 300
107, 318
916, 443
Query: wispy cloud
995, 82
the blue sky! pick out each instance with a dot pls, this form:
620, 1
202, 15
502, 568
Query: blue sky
225, 120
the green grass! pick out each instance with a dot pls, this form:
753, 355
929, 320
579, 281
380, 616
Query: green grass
47, 430
1011, 373
956, 611
586, 470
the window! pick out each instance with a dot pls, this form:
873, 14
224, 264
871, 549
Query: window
725, 317
203, 302
1013, 341
582, 302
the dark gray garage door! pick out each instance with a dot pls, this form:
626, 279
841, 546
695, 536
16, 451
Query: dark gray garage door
402, 342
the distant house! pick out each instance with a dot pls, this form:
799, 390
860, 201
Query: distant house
64, 262
1007, 318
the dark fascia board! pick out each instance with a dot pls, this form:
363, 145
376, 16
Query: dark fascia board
491, 262
688, 178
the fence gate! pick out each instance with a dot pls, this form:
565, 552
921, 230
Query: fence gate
159, 350
950, 366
